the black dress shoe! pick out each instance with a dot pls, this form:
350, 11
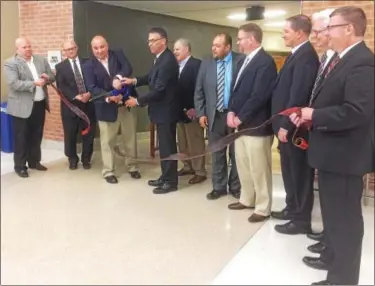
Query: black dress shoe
216, 194
315, 262
319, 236
292, 228
324, 282
86, 165
135, 175
22, 173
285, 214
235, 193
73, 165
317, 247
111, 179
38, 167
155, 183
164, 189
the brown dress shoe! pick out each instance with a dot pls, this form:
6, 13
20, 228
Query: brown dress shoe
238, 206
184, 172
257, 218
197, 179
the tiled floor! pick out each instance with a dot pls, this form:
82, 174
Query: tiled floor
70, 227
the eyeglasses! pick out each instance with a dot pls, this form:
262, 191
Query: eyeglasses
337, 25
152, 41
318, 31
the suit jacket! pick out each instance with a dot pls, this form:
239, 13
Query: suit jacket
163, 105
251, 98
205, 95
294, 85
342, 134
21, 84
65, 81
186, 86
98, 81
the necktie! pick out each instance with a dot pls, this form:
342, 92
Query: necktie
79, 80
220, 87
247, 60
334, 62
319, 77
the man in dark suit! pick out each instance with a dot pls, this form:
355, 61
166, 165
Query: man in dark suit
341, 145
102, 73
250, 106
190, 134
211, 99
70, 81
163, 105
293, 88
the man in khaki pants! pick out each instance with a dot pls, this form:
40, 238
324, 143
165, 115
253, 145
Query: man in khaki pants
190, 134
102, 73
250, 106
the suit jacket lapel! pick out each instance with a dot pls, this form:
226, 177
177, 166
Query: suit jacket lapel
185, 67
338, 66
252, 62
24, 67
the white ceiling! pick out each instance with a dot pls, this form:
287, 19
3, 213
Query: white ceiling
214, 12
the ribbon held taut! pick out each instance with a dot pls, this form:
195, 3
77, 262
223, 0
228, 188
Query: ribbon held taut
223, 142
74, 109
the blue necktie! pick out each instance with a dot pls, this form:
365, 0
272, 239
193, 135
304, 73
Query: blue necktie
220, 87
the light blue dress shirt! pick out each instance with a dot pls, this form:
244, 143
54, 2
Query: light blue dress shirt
228, 77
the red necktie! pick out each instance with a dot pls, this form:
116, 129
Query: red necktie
332, 65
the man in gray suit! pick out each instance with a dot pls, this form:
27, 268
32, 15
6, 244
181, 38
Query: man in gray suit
212, 93
27, 75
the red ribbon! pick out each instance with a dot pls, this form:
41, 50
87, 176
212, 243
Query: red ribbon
74, 109
223, 142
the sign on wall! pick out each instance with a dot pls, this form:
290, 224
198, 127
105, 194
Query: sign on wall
54, 57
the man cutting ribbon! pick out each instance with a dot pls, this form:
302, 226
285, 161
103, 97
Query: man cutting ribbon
102, 73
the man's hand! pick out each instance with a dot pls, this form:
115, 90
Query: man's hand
230, 119
44, 76
115, 98
237, 122
128, 81
191, 113
306, 113
40, 82
131, 102
282, 135
79, 97
85, 97
116, 83
203, 121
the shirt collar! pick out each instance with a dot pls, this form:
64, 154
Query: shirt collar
227, 58
330, 53
297, 47
348, 49
183, 62
158, 55
253, 53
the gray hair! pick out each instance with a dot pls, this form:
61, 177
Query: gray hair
185, 43
323, 15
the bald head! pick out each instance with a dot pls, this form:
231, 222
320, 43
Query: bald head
99, 47
23, 48
70, 49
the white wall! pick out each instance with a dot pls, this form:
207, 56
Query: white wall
273, 41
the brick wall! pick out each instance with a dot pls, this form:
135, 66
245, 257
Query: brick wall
47, 24
310, 7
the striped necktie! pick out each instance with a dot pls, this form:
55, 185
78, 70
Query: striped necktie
319, 77
220, 87
336, 59
78, 77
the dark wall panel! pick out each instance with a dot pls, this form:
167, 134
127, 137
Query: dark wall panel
128, 29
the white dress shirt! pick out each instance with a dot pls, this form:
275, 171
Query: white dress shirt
78, 64
330, 54
39, 92
248, 58
183, 63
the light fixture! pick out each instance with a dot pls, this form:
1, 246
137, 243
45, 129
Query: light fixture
275, 24
267, 15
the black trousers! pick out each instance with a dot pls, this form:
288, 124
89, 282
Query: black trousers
220, 178
72, 125
28, 134
166, 133
340, 198
298, 180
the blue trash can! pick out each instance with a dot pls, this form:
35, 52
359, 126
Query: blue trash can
6, 130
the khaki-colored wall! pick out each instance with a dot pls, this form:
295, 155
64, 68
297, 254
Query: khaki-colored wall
9, 33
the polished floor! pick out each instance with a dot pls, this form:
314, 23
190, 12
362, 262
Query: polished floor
71, 227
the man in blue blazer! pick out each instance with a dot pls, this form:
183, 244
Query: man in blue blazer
250, 106
102, 73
